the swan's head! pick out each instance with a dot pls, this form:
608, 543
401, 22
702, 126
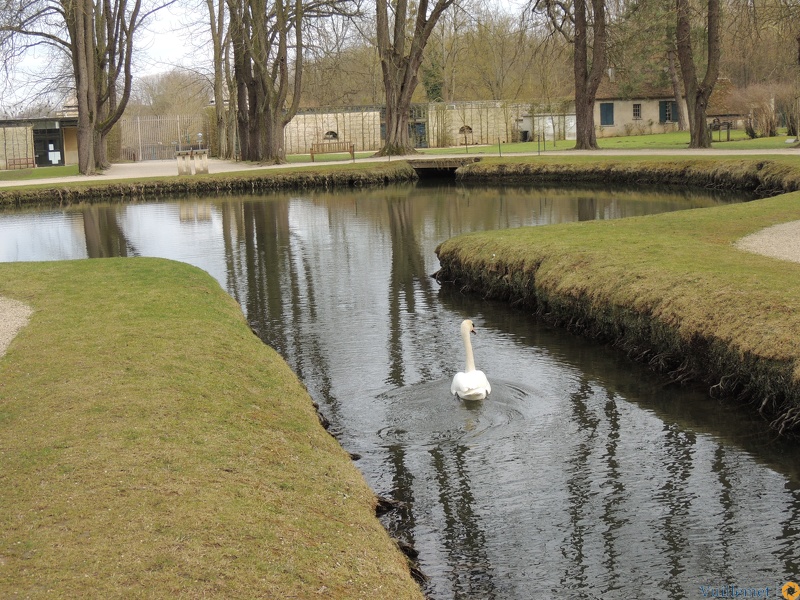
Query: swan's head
467, 327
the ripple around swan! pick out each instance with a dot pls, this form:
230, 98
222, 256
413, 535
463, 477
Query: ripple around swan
427, 414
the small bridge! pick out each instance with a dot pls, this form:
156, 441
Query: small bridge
439, 167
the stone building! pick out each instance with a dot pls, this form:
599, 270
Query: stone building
41, 142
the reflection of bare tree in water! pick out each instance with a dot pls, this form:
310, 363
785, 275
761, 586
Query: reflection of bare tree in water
676, 494
790, 533
616, 491
401, 522
407, 276
471, 572
280, 291
265, 244
103, 234
579, 487
232, 214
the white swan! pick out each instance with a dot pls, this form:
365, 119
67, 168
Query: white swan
470, 384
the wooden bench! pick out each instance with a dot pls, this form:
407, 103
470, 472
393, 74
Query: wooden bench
332, 148
20, 163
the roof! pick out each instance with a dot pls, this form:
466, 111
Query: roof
617, 86
63, 121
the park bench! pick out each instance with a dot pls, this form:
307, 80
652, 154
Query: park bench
20, 163
192, 158
332, 147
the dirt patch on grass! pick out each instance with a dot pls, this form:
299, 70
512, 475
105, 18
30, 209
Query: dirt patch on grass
779, 241
14, 316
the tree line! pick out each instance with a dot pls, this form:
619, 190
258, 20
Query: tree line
269, 58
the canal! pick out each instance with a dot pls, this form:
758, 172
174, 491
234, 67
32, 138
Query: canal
582, 475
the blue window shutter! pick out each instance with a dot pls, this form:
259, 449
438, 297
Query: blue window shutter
675, 111
662, 111
606, 113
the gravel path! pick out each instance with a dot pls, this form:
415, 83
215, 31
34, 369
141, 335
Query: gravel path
779, 241
14, 316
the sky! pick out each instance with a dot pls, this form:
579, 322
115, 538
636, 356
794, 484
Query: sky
166, 41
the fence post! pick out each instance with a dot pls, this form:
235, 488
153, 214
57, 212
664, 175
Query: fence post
139, 128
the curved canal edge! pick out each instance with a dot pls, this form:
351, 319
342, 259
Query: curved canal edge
151, 443
671, 290
123, 190
763, 177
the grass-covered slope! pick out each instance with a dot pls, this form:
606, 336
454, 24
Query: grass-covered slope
766, 176
671, 288
128, 190
153, 447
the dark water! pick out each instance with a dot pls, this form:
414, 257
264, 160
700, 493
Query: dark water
582, 476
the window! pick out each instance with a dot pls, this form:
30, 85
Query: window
667, 111
331, 135
637, 112
606, 113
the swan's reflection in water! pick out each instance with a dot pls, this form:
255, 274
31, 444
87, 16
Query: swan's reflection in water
426, 414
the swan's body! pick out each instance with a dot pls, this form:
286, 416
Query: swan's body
470, 384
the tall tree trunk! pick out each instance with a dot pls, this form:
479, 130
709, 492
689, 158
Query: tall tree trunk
398, 108
587, 79
698, 93
80, 24
241, 73
400, 67
101, 46
216, 17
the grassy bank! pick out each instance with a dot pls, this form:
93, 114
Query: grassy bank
670, 289
126, 190
763, 176
153, 447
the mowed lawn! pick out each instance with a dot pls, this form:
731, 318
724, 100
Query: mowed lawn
153, 447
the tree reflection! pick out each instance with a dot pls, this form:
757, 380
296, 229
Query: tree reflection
103, 233
471, 573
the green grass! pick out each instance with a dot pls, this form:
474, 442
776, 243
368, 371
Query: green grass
153, 447
678, 140
38, 173
338, 156
678, 273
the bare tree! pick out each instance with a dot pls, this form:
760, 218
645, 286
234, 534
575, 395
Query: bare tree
698, 92
401, 54
268, 38
220, 47
503, 54
337, 52
178, 91
584, 25
98, 37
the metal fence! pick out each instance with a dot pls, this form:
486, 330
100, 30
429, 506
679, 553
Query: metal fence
158, 138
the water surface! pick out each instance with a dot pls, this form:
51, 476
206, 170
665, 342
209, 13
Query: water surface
583, 474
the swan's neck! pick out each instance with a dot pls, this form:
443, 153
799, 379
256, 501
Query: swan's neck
468, 350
